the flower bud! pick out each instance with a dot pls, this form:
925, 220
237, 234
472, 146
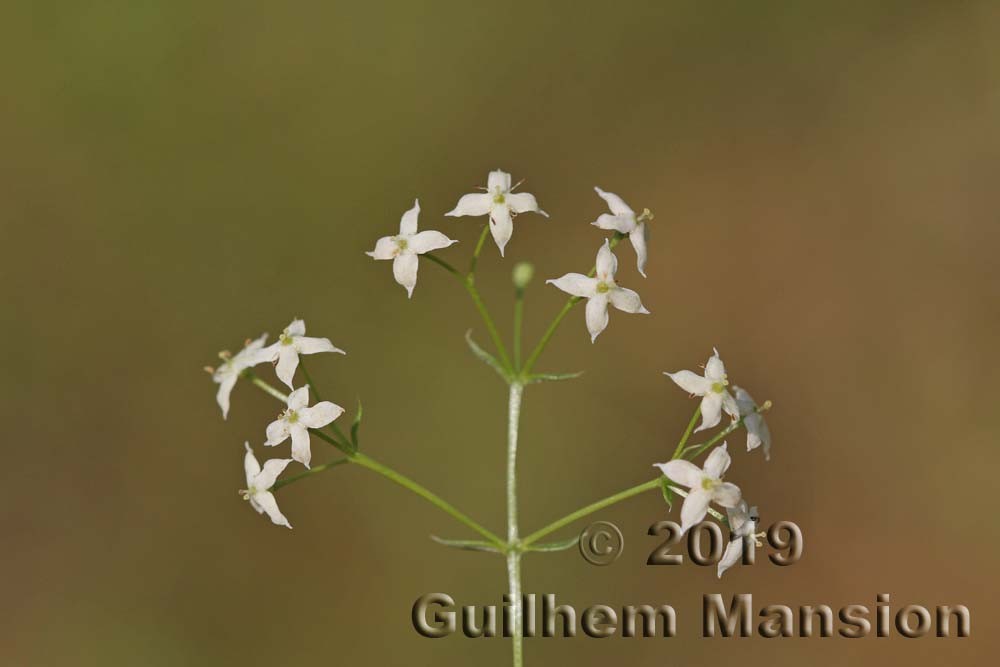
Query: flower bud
522, 275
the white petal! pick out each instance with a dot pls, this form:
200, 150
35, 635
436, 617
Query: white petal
385, 248
288, 361
729, 405
269, 475
269, 353
597, 315
711, 411
265, 500
576, 284
408, 223
715, 370
404, 269
522, 202
226, 384
690, 382
745, 401
428, 241
320, 414
626, 300
615, 203
300, 444
296, 328
638, 237
473, 204
739, 519
498, 180
307, 345
694, 509
607, 263
250, 466
683, 472
727, 495
718, 462
299, 398
501, 225
277, 432
619, 223
734, 552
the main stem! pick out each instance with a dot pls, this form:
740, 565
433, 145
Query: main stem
514, 552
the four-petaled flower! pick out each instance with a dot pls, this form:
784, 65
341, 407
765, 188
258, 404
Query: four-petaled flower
742, 524
500, 203
600, 291
228, 373
290, 344
404, 248
757, 431
623, 220
259, 483
712, 388
705, 483
296, 422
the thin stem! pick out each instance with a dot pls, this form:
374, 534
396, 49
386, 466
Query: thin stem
514, 556
514, 581
308, 473
572, 301
444, 265
687, 433
518, 323
694, 451
268, 389
479, 249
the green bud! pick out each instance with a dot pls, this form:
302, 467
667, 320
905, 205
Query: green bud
523, 273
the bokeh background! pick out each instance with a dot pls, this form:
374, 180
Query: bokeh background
178, 176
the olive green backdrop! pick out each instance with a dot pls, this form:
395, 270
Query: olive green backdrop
178, 176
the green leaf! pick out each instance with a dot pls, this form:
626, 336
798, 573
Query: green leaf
561, 545
551, 377
668, 493
355, 427
467, 545
486, 357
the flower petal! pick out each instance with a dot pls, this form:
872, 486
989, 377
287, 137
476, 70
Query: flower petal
408, 223
250, 466
619, 223
711, 411
615, 203
299, 398
300, 444
739, 519
226, 384
607, 263
683, 472
269, 475
694, 509
501, 225
718, 462
626, 300
320, 414
296, 328
307, 345
727, 495
385, 248
428, 241
472, 204
576, 284
277, 432
522, 202
690, 382
732, 555
288, 361
266, 502
715, 370
404, 269
638, 237
498, 180
597, 315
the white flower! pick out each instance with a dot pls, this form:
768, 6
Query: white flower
290, 344
500, 203
600, 291
623, 220
228, 373
706, 485
259, 483
296, 422
404, 248
712, 388
757, 431
742, 523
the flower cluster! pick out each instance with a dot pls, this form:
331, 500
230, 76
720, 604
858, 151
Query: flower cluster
294, 422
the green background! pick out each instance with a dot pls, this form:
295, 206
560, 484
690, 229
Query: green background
178, 176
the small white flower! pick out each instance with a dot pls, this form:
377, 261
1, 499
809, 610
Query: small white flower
501, 203
290, 344
296, 422
712, 388
404, 248
228, 373
742, 523
600, 291
757, 431
623, 220
705, 483
259, 483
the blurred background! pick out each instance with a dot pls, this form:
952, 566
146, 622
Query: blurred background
178, 176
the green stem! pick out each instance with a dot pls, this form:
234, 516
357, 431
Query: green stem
308, 473
518, 324
694, 451
479, 249
443, 264
514, 555
267, 388
687, 433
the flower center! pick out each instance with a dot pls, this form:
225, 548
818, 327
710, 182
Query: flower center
719, 387
603, 287
499, 198
285, 338
246, 493
707, 483
291, 416
402, 243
